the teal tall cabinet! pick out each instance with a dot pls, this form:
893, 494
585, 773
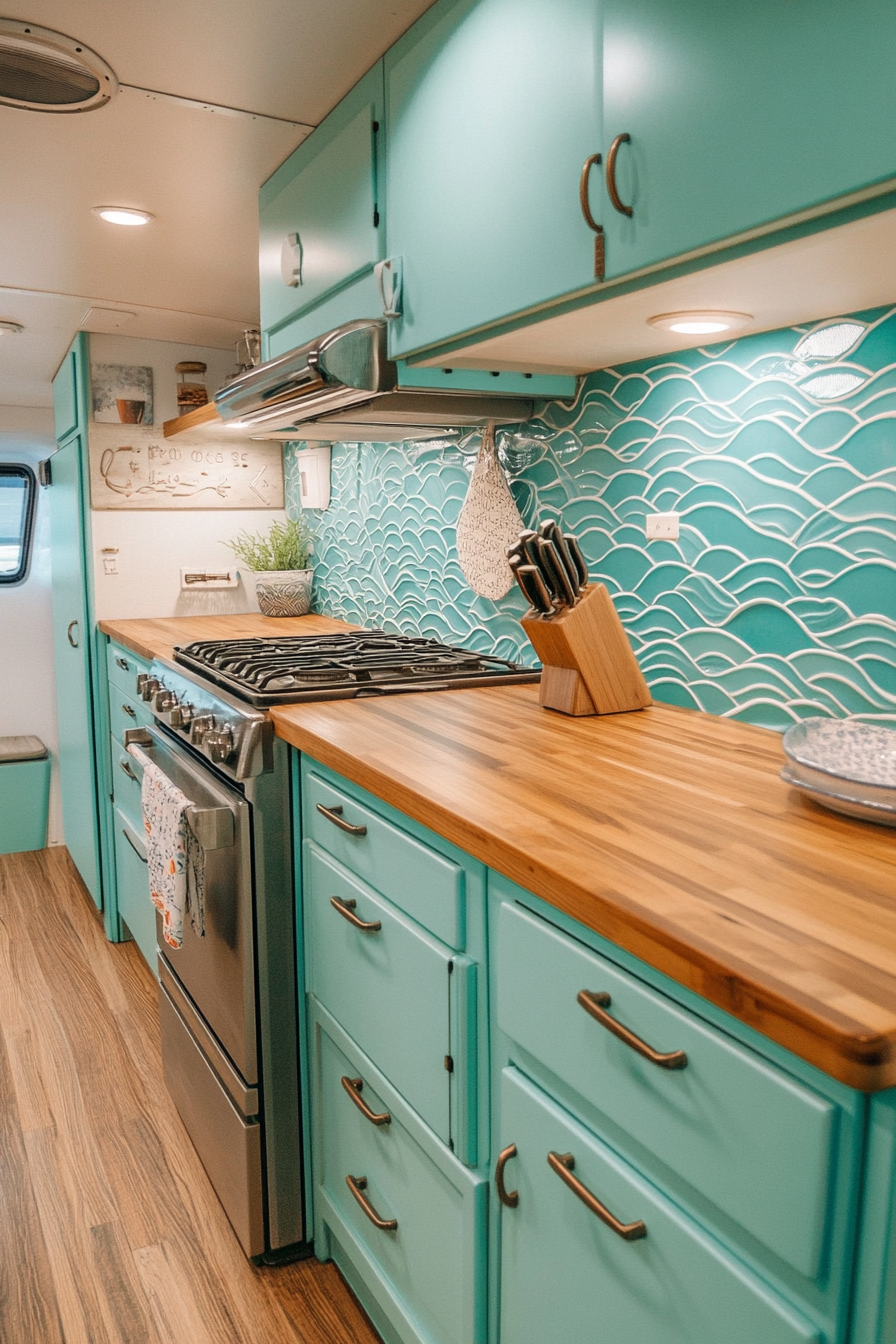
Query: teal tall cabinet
80, 699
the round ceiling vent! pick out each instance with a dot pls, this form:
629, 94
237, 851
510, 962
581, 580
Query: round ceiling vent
44, 71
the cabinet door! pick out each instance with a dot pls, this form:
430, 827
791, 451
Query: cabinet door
325, 196
741, 114
565, 1274
71, 640
492, 107
66, 401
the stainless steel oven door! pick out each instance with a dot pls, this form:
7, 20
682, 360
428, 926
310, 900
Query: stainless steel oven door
218, 970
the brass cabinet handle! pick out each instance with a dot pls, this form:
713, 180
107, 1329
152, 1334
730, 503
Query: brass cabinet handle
353, 1087
509, 1197
358, 1183
334, 814
123, 765
123, 664
563, 1164
624, 139
72, 625
133, 844
593, 161
130, 711
596, 1005
346, 907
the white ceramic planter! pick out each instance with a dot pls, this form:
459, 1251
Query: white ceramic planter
284, 592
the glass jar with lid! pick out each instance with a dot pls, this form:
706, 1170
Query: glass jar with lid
191, 388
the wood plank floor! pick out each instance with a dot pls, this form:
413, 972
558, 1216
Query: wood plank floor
109, 1230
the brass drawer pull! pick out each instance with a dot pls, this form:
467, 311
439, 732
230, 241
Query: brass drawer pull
133, 844
353, 1087
130, 711
593, 161
334, 814
123, 664
596, 1004
358, 1183
73, 625
345, 908
563, 1164
624, 139
510, 1198
123, 765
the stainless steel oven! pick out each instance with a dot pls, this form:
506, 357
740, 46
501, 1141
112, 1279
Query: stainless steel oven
228, 999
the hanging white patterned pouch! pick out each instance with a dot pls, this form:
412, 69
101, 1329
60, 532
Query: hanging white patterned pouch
489, 522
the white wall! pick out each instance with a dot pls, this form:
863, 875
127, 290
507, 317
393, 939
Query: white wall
154, 545
27, 674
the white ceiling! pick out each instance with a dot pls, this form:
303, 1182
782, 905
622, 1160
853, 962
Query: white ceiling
191, 275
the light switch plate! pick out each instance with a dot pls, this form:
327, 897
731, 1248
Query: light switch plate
662, 526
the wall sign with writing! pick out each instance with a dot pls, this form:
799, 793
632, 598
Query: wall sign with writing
134, 467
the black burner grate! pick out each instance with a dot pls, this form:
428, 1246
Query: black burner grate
287, 670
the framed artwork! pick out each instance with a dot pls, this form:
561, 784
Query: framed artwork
122, 394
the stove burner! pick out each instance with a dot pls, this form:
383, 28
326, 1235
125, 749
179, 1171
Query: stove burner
287, 670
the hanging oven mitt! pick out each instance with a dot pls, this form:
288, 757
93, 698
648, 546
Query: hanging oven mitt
489, 522
175, 858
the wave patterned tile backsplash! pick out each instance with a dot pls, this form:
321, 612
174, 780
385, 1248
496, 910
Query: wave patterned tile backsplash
779, 453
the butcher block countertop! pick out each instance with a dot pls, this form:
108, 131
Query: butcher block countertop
156, 638
667, 831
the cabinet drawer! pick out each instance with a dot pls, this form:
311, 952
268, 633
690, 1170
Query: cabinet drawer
127, 782
429, 887
432, 1263
741, 1132
126, 712
132, 884
388, 987
565, 1274
124, 668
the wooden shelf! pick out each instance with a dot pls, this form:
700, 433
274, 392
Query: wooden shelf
200, 418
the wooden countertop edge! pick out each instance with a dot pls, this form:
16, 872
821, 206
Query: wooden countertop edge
864, 1063
125, 639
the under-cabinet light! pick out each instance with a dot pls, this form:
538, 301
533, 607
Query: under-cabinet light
120, 214
699, 324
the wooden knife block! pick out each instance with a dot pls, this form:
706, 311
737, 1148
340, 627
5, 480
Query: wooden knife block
588, 666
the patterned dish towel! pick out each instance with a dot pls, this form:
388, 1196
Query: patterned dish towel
175, 858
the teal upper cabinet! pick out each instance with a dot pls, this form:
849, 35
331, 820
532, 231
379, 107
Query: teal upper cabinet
319, 213
492, 107
740, 115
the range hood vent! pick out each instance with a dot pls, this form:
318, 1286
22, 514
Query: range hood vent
343, 387
45, 71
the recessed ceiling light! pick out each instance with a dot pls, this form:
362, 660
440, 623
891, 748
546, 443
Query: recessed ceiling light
699, 323
10, 328
121, 214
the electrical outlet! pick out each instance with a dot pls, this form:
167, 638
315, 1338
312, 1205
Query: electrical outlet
662, 526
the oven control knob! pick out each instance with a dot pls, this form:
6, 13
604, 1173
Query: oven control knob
163, 701
200, 725
219, 743
151, 685
181, 716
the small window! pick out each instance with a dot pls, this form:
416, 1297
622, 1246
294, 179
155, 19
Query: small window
16, 518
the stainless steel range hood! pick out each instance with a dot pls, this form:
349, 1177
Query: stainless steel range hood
342, 387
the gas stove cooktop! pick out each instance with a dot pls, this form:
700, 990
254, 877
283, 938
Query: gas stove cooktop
289, 670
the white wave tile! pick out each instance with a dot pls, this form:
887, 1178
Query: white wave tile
778, 601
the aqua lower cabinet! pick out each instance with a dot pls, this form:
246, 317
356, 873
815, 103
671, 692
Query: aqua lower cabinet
132, 883
397, 1208
550, 1140
656, 1278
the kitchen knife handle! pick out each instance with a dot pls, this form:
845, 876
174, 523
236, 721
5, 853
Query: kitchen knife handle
553, 534
544, 604
532, 586
577, 558
554, 572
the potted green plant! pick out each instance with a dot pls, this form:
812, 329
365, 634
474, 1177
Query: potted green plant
279, 561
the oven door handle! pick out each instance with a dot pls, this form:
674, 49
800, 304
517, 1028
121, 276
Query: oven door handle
213, 827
